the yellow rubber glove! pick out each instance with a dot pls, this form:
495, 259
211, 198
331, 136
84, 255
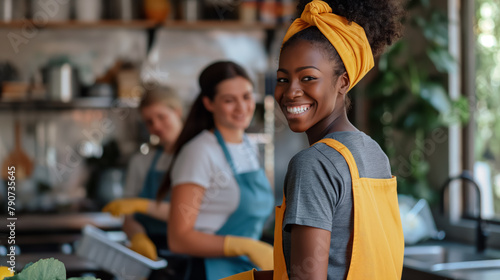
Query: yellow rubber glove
260, 253
5, 272
247, 275
127, 206
141, 244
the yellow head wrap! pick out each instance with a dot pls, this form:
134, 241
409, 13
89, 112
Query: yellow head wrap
348, 39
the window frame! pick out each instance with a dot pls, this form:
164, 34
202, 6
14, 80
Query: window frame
457, 223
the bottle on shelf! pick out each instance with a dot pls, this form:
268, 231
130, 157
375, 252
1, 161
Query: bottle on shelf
190, 10
248, 11
88, 10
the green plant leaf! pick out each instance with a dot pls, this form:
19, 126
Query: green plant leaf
44, 269
419, 21
442, 59
417, 3
436, 96
390, 59
410, 121
434, 28
414, 77
425, 3
459, 112
384, 85
383, 63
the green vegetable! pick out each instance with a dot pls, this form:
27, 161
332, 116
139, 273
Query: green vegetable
45, 269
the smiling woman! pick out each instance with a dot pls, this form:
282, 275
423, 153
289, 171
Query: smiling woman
220, 195
340, 205
304, 89
234, 105
339, 218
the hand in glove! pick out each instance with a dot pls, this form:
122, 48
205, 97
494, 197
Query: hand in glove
5, 272
260, 253
141, 244
127, 206
247, 275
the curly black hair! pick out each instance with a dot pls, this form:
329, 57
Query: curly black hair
381, 19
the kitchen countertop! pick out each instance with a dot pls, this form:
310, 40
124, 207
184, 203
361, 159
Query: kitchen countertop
63, 221
423, 266
42, 235
54, 233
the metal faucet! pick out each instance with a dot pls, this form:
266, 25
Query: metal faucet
481, 234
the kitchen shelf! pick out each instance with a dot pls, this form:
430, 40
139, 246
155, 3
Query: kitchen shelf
216, 24
141, 24
77, 103
73, 24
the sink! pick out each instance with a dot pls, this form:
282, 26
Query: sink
484, 264
452, 261
424, 250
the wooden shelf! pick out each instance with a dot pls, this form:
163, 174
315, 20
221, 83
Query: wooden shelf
77, 103
73, 24
217, 24
140, 24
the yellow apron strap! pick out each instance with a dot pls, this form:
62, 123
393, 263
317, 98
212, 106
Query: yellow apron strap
378, 243
339, 147
280, 272
279, 259
247, 275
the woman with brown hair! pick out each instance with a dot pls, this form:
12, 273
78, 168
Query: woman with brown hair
220, 196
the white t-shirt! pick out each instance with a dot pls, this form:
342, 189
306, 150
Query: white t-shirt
138, 168
202, 162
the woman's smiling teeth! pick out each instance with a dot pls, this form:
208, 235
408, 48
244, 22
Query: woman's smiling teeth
298, 109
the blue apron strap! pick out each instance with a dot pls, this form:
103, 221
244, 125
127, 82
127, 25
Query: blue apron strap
151, 183
157, 156
226, 152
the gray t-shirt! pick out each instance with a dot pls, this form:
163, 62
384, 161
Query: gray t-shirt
319, 194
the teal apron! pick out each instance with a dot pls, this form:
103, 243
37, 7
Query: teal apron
256, 204
153, 178
156, 229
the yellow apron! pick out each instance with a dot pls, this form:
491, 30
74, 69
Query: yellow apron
378, 244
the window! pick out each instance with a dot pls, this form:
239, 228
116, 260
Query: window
474, 40
487, 106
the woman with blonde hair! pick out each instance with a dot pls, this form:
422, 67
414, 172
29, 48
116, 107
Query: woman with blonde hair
144, 222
